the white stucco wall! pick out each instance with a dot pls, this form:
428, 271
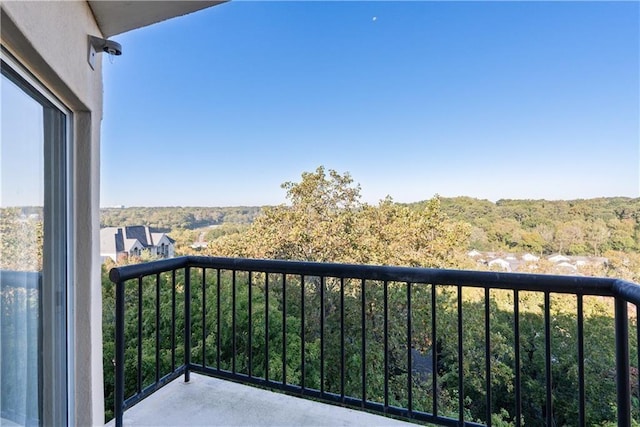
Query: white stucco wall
50, 39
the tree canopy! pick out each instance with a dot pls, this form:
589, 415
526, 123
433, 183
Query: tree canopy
326, 221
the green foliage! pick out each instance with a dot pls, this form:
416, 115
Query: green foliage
574, 227
326, 221
623, 265
170, 218
215, 232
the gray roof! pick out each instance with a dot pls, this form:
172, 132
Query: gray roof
155, 237
130, 243
140, 233
120, 239
111, 240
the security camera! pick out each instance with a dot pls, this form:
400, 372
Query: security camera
97, 45
108, 46
112, 48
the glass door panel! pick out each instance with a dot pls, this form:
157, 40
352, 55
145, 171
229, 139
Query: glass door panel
32, 255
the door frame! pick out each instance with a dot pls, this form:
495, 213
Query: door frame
56, 365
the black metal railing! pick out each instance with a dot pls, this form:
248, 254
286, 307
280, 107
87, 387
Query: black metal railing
421, 344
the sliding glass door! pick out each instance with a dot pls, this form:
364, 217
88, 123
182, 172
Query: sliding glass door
33, 252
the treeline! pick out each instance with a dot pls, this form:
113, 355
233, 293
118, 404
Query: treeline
169, 218
572, 227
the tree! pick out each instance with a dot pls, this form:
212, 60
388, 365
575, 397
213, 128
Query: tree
505, 234
622, 234
570, 237
597, 235
532, 241
326, 222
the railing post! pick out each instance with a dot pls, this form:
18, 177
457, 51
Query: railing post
622, 363
187, 323
119, 355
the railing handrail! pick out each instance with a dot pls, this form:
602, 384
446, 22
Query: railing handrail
580, 285
628, 291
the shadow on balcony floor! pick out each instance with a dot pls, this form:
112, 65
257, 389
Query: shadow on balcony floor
206, 401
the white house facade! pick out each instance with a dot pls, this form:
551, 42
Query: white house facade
121, 242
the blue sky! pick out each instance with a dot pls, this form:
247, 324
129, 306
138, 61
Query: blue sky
484, 99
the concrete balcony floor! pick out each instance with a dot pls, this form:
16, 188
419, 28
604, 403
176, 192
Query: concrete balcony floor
206, 401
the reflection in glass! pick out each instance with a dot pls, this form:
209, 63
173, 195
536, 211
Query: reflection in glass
21, 253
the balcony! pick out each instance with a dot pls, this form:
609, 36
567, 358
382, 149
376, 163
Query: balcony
420, 345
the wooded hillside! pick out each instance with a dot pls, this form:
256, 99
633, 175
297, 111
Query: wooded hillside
169, 218
573, 227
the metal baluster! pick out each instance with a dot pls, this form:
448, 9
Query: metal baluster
233, 321
342, 352
547, 359
218, 314
581, 386
266, 327
409, 355
622, 363
322, 308
434, 350
516, 345
173, 320
487, 351
250, 328
139, 362
386, 345
284, 329
119, 355
157, 321
460, 361
204, 318
363, 343
187, 324
302, 335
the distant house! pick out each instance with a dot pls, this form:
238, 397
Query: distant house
118, 242
530, 258
559, 258
500, 263
567, 266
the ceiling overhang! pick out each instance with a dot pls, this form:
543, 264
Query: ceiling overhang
116, 17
